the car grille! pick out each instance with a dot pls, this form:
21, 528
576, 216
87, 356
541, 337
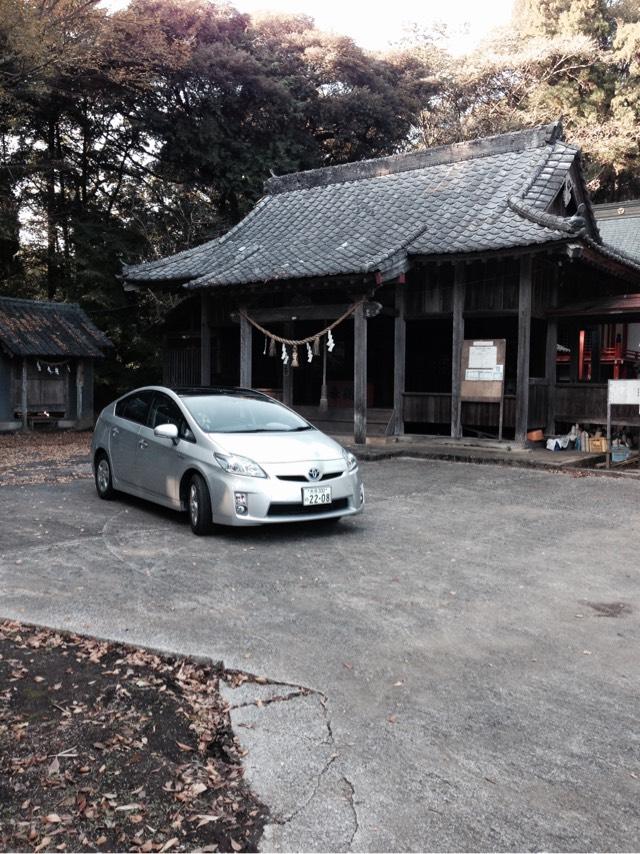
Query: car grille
300, 510
301, 478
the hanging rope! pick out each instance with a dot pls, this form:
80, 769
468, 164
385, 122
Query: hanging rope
300, 342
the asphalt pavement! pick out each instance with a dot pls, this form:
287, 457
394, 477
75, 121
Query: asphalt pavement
456, 669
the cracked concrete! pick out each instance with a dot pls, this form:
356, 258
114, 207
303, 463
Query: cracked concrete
293, 765
442, 644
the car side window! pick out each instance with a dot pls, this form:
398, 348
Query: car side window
166, 411
135, 407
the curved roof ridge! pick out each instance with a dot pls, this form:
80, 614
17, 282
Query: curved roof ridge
537, 137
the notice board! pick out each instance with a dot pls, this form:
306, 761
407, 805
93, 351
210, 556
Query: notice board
482, 375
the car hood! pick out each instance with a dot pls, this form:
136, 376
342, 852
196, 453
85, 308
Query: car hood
306, 446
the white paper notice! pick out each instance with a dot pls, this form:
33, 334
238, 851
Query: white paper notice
483, 357
485, 374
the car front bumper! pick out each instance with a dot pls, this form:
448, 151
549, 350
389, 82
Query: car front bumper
271, 500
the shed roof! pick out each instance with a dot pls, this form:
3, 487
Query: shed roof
33, 328
372, 216
619, 225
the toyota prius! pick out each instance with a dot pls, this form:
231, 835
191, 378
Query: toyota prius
227, 456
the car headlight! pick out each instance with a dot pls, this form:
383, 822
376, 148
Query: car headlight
239, 465
351, 461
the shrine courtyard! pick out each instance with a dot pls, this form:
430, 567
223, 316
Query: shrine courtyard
456, 669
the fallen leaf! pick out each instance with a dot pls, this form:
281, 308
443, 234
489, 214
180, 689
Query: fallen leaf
129, 807
45, 842
199, 788
170, 844
52, 818
235, 845
184, 746
207, 819
392, 719
101, 840
54, 767
38, 678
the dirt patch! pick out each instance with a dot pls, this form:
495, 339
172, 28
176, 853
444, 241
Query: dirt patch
47, 457
105, 747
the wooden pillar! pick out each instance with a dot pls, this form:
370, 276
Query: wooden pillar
574, 358
23, 396
399, 360
524, 347
595, 354
457, 341
551, 359
359, 376
79, 388
246, 352
205, 340
287, 372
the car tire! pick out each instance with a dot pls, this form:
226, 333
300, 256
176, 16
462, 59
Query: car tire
103, 478
199, 506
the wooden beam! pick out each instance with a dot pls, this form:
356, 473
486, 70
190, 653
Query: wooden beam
359, 376
23, 396
287, 314
246, 352
399, 360
205, 340
457, 341
524, 347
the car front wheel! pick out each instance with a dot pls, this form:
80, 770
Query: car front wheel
199, 506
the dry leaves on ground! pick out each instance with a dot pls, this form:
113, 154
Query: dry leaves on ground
112, 748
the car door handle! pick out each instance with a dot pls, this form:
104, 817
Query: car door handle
143, 443
115, 432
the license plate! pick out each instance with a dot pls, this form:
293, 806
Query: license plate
314, 495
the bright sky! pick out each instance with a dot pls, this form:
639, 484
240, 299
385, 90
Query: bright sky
376, 25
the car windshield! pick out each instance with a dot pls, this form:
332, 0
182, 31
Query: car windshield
219, 413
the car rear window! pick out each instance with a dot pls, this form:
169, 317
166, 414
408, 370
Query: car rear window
135, 407
218, 413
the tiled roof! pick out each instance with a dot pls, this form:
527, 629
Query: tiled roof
619, 226
373, 216
32, 328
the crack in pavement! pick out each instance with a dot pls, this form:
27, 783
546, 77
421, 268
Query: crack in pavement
352, 804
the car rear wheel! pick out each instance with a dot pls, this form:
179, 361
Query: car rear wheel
199, 506
104, 482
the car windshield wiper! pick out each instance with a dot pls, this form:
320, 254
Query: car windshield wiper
297, 429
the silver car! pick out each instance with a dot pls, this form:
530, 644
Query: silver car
228, 456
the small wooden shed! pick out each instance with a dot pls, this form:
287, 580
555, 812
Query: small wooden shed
47, 352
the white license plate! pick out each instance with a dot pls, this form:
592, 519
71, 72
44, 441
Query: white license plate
314, 495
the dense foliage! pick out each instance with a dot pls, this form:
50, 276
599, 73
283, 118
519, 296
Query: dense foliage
134, 134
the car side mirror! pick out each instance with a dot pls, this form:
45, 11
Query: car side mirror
167, 431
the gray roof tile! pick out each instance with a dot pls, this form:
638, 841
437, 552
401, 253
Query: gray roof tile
33, 328
366, 217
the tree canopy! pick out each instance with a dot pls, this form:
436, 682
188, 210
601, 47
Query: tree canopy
133, 134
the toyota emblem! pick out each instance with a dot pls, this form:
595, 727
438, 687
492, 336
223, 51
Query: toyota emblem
314, 474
